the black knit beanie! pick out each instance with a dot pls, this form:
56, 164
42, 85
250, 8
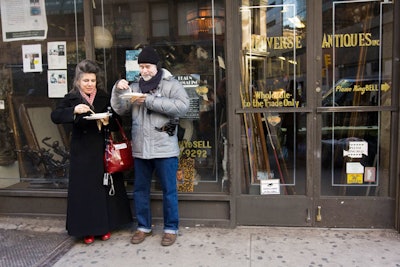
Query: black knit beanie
148, 55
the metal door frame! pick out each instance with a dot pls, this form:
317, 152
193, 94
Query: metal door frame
300, 210
290, 210
339, 211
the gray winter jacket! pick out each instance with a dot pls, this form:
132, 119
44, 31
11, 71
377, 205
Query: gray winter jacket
169, 100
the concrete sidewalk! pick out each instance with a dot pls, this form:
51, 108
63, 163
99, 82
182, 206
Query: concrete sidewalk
242, 246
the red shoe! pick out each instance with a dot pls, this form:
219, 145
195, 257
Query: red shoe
106, 236
88, 239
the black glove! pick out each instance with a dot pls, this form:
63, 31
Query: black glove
169, 127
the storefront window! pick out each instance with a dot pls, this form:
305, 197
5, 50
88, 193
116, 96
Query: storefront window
41, 45
188, 35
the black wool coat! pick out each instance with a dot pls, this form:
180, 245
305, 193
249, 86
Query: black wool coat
91, 210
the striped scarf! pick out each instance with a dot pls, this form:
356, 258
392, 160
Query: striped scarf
90, 98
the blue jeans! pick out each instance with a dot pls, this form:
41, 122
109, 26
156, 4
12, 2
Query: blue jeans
165, 169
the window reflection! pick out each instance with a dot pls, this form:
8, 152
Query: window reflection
189, 36
274, 77
355, 145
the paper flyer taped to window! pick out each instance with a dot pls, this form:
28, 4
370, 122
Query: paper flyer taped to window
57, 55
23, 20
356, 149
131, 65
270, 187
32, 58
57, 82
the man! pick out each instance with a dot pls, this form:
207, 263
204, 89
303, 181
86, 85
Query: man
156, 102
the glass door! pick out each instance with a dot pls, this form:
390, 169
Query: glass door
316, 113
356, 108
274, 110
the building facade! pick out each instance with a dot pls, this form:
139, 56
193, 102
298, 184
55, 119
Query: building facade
294, 104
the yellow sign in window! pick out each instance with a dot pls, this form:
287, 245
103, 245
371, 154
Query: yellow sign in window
354, 178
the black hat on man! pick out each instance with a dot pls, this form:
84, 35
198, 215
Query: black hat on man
148, 55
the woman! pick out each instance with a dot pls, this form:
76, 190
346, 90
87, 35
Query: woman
91, 211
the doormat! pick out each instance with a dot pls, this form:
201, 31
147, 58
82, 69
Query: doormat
20, 248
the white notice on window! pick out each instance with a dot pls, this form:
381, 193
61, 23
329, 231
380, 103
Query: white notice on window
354, 167
270, 187
57, 55
356, 149
23, 20
57, 81
32, 58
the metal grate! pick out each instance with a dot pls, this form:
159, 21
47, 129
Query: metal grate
20, 248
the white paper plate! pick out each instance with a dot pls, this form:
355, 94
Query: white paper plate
130, 95
97, 116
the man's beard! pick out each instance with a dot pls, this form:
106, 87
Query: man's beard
147, 77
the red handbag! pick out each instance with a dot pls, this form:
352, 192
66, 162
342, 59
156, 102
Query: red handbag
118, 155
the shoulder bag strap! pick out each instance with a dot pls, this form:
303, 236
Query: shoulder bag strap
121, 130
